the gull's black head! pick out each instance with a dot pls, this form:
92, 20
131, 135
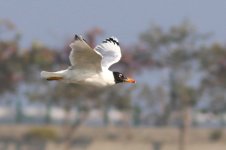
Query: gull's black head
119, 78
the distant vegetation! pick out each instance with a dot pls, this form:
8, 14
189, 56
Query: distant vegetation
196, 74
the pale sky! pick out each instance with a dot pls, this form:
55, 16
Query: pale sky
53, 21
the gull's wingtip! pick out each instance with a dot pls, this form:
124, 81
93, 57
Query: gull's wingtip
77, 37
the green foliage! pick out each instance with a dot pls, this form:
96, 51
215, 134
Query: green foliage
136, 115
156, 37
216, 135
187, 95
42, 133
176, 49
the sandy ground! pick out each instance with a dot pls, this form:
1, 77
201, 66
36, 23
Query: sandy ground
106, 145
123, 138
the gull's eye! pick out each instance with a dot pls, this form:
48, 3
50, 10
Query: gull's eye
120, 75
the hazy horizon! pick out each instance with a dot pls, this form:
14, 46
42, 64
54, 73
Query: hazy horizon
52, 22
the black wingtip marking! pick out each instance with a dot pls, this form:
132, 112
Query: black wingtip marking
76, 37
111, 40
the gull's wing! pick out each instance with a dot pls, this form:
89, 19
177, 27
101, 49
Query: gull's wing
110, 51
82, 56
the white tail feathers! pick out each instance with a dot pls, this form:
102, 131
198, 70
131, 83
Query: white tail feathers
51, 75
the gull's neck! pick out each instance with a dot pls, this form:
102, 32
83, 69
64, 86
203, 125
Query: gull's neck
108, 77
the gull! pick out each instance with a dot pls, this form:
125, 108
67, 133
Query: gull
91, 66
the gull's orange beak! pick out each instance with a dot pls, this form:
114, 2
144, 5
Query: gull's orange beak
129, 80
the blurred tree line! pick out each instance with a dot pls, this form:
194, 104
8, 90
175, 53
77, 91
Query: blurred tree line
194, 67
181, 50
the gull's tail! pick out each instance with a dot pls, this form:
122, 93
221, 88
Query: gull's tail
51, 75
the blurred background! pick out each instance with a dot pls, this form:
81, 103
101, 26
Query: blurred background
176, 50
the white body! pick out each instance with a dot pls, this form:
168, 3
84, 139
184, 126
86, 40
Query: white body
89, 66
82, 77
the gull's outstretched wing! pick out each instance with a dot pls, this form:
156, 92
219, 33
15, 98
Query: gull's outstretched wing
110, 51
82, 56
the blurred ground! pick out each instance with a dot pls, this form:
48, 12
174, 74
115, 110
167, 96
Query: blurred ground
178, 59
113, 138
